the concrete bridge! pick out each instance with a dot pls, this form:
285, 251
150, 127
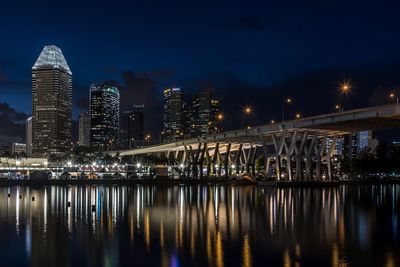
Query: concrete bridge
300, 149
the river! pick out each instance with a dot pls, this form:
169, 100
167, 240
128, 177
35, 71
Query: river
199, 225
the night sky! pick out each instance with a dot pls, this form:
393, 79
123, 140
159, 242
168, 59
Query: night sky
247, 52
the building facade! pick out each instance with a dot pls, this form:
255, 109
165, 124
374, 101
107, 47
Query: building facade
204, 115
84, 129
132, 127
173, 107
51, 103
104, 104
18, 148
28, 136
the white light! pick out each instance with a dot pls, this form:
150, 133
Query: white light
45, 163
233, 166
182, 166
138, 165
17, 162
94, 164
69, 163
216, 165
115, 165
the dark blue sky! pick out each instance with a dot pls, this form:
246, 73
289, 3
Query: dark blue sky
254, 51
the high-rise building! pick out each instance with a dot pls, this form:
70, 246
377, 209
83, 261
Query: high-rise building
51, 103
84, 129
131, 134
104, 105
204, 115
28, 136
359, 141
173, 104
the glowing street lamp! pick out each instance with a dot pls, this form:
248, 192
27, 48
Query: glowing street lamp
69, 163
272, 121
298, 116
286, 101
394, 96
247, 110
344, 89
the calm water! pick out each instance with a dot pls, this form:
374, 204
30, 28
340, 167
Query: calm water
199, 226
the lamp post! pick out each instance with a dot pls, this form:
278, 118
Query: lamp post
130, 142
246, 112
220, 118
147, 138
345, 89
160, 137
284, 102
394, 96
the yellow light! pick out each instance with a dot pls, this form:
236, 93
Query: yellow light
392, 95
337, 107
345, 87
220, 116
298, 115
247, 110
289, 100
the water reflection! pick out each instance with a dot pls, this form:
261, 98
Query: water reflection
199, 225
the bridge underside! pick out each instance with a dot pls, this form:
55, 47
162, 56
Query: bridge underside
301, 150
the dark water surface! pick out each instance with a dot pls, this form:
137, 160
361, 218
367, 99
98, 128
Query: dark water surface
199, 226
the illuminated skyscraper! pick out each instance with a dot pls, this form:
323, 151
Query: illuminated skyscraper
51, 103
204, 113
173, 104
104, 105
84, 129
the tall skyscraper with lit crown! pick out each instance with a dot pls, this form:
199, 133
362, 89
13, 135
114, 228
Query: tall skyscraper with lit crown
51, 103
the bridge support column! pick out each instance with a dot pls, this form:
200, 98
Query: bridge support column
226, 160
214, 159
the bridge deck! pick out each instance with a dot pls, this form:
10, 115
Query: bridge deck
373, 118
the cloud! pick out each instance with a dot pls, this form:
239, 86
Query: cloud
141, 90
161, 74
12, 124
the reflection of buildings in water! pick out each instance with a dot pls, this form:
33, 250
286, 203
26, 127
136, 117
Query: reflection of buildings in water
207, 223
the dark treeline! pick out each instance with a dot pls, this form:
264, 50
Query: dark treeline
384, 159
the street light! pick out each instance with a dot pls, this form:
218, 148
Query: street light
272, 121
246, 112
298, 115
345, 89
394, 96
147, 138
285, 102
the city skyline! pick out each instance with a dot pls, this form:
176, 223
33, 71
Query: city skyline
256, 53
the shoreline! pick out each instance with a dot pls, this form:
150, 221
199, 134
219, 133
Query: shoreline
171, 182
